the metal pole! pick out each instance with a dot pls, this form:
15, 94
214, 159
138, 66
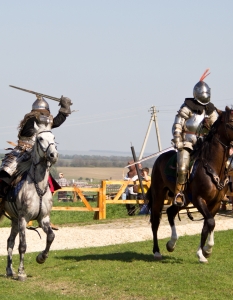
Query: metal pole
157, 128
152, 119
146, 138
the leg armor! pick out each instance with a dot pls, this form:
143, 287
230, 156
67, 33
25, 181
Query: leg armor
183, 159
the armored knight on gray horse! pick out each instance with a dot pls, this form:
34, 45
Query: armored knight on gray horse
193, 121
40, 114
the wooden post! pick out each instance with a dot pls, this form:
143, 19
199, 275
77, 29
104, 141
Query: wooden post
75, 197
104, 190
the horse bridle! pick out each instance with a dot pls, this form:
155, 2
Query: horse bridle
44, 150
40, 192
220, 185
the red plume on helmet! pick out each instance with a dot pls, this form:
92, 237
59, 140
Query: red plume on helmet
204, 75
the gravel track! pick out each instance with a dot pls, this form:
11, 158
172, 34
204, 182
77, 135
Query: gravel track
115, 232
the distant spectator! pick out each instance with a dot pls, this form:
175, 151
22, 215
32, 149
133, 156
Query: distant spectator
130, 194
137, 188
62, 182
145, 177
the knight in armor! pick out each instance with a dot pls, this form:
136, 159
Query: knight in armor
40, 114
193, 121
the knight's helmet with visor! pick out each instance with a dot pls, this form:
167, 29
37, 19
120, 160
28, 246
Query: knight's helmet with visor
40, 103
201, 91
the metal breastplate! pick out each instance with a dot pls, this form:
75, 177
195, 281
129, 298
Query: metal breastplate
192, 129
193, 124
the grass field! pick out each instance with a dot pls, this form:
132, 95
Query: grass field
95, 173
126, 272
74, 218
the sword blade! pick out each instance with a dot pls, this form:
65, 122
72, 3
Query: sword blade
150, 156
35, 93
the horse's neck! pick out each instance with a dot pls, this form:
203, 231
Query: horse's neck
216, 154
40, 174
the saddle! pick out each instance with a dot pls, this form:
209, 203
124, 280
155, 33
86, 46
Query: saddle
170, 169
14, 190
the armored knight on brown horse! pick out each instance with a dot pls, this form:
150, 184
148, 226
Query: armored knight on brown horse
192, 122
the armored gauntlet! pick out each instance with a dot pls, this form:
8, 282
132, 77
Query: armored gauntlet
177, 141
65, 104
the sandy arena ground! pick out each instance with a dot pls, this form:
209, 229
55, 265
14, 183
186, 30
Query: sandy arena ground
114, 232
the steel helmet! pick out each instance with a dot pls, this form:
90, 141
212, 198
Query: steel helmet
40, 103
201, 91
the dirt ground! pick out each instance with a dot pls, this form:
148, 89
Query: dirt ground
115, 232
96, 173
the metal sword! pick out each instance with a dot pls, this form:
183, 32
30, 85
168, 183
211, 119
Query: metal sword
37, 94
150, 156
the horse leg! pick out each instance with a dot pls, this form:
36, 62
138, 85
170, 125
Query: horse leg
208, 228
207, 249
45, 225
22, 248
156, 212
10, 246
171, 213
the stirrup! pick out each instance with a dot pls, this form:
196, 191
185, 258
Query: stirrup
180, 204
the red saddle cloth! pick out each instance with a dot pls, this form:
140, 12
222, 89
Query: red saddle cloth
53, 185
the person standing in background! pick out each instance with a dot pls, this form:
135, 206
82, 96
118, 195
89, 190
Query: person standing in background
130, 194
62, 182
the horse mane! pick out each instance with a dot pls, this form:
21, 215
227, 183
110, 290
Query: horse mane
202, 145
24, 166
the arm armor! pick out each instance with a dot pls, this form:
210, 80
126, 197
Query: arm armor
183, 114
65, 104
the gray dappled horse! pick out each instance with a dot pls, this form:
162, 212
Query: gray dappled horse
34, 200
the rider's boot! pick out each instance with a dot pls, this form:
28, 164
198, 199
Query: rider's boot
179, 198
183, 159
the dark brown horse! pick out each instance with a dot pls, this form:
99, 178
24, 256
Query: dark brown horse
206, 187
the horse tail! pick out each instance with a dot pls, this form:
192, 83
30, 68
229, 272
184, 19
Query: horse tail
149, 197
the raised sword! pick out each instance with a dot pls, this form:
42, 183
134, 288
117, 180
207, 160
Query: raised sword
38, 95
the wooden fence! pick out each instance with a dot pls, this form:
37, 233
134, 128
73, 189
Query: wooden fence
109, 192
103, 194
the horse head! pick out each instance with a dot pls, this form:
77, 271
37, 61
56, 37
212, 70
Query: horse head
45, 144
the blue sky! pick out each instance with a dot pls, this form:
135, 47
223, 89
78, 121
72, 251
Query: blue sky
114, 59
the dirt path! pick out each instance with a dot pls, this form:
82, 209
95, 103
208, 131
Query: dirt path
114, 232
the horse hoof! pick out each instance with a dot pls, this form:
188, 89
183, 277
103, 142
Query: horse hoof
206, 254
10, 273
203, 261
22, 277
40, 259
157, 256
170, 248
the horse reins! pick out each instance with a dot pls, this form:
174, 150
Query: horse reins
220, 185
39, 191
